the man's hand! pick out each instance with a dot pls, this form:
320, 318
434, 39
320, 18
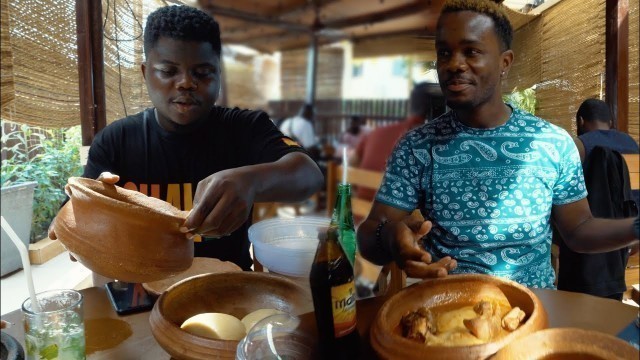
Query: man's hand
222, 204
404, 241
107, 178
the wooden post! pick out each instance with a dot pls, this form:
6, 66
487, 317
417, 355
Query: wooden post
90, 68
617, 62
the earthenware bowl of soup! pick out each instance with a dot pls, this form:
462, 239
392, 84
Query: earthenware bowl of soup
206, 316
123, 234
455, 317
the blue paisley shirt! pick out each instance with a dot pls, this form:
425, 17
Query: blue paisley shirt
489, 192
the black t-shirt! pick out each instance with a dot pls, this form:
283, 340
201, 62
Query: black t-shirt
169, 166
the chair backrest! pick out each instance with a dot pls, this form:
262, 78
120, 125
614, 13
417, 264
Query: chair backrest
361, 207
633, 163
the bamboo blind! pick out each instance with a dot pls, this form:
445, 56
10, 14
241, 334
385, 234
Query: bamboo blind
45, 73
293, 73
123, 21
526, 69
573, 59
7, 88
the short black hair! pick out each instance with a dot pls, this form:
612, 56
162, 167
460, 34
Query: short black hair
494, 10
422, 97
181, 23
594, 110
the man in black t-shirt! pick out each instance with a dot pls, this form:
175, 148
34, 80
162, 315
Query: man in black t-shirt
211, 160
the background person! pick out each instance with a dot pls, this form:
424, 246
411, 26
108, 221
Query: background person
609, 197
300, 127
488, 177
595, 128
186, 150
375, 147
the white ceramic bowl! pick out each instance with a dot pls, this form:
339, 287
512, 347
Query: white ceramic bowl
287, 246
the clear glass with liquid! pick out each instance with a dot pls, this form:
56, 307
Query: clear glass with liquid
56, 330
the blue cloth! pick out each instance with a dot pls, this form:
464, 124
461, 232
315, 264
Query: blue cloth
489, 192
631, 334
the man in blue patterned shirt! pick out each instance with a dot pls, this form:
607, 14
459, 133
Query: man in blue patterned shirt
487, 177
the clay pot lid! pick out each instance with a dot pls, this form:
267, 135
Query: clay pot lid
123, 199
200, 265
569, 343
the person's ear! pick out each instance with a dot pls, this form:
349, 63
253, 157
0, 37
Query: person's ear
505, 62
143, 67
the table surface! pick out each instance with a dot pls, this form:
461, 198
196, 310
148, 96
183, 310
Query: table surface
103, 325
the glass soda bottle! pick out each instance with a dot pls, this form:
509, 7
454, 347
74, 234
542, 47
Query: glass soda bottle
334, 298
342, 219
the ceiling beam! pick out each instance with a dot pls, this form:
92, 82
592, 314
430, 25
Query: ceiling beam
216, 10
301, 8
399, 11
419, 33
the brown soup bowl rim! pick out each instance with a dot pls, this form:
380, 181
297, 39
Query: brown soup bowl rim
381, 340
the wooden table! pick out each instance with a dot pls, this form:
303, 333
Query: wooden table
565, 309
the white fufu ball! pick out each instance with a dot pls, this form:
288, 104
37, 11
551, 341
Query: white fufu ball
215, 326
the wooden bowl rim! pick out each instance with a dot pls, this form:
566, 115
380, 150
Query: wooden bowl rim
156, 288
200, 341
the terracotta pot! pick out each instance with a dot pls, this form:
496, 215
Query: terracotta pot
123, 234
567, 344
233, 293
388, 342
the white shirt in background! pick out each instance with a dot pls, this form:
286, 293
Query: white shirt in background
301, 129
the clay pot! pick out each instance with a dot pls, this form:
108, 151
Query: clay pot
123, 234
200, 265
233, 293
567, 344
386, 337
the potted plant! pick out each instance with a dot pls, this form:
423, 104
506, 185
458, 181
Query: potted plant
37, 165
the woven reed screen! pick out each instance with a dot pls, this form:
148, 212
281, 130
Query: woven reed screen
7, 88
293, 73
45, 72
573, 59
526, 69
125, 91
634, 75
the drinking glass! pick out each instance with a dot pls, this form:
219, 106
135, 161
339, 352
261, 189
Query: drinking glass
56, 330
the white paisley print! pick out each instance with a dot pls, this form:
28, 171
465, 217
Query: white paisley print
489, 192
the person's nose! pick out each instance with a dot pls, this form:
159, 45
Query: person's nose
186, 82
457, 63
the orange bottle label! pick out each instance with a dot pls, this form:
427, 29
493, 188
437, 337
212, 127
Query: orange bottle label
343, 304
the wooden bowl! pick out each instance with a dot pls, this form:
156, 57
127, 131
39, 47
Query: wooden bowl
200, 265
388, 342
568, 344
123, 234
233, 293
